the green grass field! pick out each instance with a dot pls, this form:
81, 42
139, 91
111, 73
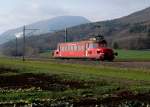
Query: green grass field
74, 69
133, 55
45, 54
93, 81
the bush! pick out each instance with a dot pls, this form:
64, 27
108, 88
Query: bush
115, 45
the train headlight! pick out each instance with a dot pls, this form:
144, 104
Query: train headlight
101, 53
57, 52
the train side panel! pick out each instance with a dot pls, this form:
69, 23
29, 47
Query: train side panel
71, 50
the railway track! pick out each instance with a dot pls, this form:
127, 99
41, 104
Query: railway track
138, 64
84, 60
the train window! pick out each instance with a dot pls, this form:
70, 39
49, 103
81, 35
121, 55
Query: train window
69, 48
72, 48
87, 46
95, 45
79, 48
61, 48
90, 45
75, 48
82, 48
65, 48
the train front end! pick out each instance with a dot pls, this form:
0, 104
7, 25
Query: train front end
101, 53
99, 50
106, 54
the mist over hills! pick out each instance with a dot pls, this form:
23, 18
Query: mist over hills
46, 26
129, 32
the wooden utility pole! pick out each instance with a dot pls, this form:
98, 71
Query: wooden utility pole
24, 41
16, 46
14, 105
66, 34
24, 45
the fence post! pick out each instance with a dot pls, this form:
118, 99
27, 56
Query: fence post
31, 105
14, 105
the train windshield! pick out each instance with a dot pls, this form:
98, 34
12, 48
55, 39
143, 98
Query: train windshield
93, 45
97, 45
102, 45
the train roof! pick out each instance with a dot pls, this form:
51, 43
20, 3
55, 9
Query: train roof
88, 41
80, 42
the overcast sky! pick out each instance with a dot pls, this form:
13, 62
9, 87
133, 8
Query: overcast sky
15, 13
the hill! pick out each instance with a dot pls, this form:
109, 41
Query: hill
46, 26
129, 32
140, 16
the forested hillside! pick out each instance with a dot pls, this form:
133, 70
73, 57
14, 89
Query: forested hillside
129, 32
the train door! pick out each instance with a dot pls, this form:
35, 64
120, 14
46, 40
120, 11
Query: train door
59, 50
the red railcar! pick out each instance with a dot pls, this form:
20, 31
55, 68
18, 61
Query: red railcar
91, 49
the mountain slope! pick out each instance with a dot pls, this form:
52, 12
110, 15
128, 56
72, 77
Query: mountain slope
46, 26
140, 16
